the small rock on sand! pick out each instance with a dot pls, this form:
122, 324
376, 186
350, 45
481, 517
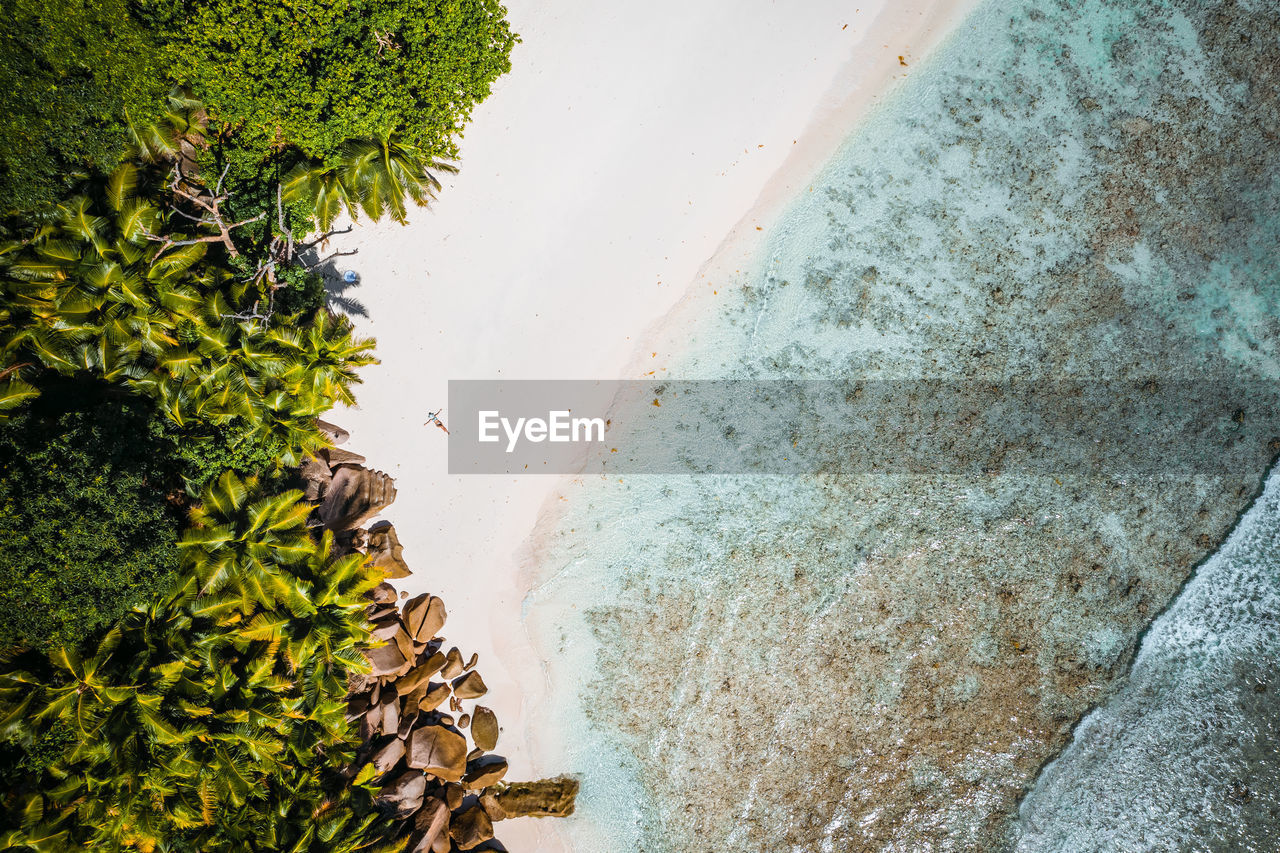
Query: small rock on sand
484, 728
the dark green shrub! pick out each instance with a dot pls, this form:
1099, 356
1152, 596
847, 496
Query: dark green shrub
71, 73
202, 452
87, 524
314, 74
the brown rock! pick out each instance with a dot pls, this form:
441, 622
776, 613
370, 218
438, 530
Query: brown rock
408, 718
471, 664
368, 729
436, 693
453, 663
405, 642
405, 792
411, 701
386, 628
385, 660
385, 552
335, 433
388, 756
424, 615
470, 828
454, 794
383, 593
374, 613
349, 541
414, 610
338, 457
360, 682
356, 705
464, 721
435, 619
390, 703
355, 495
544, 798
484, 728
484, 771
433, 822
373, 716
469, 686
315, 476
418, 676
439, 751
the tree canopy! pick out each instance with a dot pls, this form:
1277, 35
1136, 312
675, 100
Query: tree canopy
212, 717
297, 81
315, 74
154, 367
73, 73
85, 526
171, 686
175, 640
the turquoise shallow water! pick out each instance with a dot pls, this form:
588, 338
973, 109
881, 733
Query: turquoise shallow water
857, 661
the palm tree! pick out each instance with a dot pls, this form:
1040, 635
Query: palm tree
213, 718
90, 291
385, 174
241, 542
174, 134
321, 360
377, 176
322, 188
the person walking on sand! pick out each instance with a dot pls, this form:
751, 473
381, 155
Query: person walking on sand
434, 418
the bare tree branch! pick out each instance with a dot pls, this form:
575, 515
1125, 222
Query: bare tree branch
218, 189
310, 266
254, 314
324, 237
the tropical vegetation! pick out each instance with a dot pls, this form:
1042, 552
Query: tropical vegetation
175, 639
283, 83
87, 524
213, 717
73, 74
315, 74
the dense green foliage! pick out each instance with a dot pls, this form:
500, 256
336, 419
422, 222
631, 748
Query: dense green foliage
163, 337
72, 74
316, 74
201, 452
379, 178
213, 718
210, 715
85, 527
129, 285
284, 82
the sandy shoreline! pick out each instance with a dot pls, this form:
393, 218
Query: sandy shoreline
596, 182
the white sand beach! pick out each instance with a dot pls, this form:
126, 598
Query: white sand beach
632, 154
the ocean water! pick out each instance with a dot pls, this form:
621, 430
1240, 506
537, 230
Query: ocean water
1184, 756
860, 660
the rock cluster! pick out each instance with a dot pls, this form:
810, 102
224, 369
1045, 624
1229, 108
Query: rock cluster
445, 795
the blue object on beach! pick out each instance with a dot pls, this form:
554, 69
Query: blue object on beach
350, 277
